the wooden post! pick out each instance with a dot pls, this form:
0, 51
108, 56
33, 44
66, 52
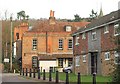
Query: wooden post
26, 72
38, 73
30, 73
44, 74
67, 78
50, 75
33, 73
23, 71
57, 77
79, 79
94, 78
20, 71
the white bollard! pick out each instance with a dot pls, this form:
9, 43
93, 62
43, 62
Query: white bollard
14, 70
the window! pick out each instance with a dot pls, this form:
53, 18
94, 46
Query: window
69, 61
77, 60
60, 62
60, 43
116, 30
70, 44
83, 36
17, 35
84, 58
68, 28
94, 35
107, 55
34, 44
117, 58
106, 29
77, 40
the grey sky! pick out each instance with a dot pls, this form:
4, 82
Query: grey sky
63, 8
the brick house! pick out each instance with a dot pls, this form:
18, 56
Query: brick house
94, 46
50, 43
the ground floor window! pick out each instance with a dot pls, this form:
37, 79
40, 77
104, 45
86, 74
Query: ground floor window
77, 61
84, 58
69, 61
60, 62
107, 55
117, 58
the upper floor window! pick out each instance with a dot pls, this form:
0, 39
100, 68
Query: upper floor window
116, 30
34, 44
70, 44
60, 43
17, 35
83, 36
94, 37
77, 61
106, 29
68, 28
84, 58
117, 57
107, 55
77, 40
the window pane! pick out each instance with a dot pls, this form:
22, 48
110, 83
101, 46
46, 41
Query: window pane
70, 44
60, 62
34, 44
60, 44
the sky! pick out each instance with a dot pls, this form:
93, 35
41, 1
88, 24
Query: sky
63, 8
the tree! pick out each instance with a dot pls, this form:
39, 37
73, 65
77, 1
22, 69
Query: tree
22, 14
93, 15
77, 18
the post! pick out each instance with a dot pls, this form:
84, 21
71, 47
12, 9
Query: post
79, 79
20, 71
94, 78
30, 73
11, 46
26, 72
33, 73
38, 73
67, 78
44, 74
50, 75
23, 71
57, 77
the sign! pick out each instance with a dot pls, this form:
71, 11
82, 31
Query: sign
35, 62
6, 60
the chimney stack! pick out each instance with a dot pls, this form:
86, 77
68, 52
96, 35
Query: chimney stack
52, 18
52, 13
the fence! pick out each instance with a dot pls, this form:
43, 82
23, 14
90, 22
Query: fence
33, 72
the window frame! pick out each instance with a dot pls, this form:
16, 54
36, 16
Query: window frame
116, 55
106, 29
84, 58
60, 44
77, 61
70, 43
84, 35
77, 40
60, 62
33, 45
94, 33
108, 55
116, 27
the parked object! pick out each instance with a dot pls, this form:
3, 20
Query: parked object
68, 69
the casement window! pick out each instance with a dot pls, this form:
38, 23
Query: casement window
77, 61
116, 30
34, 44
83, 36
69, 61
17, 35
94, 37
107, 55
106, 29
117, 58
60, 43
60, 62
77, 40
84, 58
70, 44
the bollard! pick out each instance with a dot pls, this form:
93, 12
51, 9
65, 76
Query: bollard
23, 71
38, 73
20, 71
67, 78
57, 77
50, 75
44, 74
33, 73
94, 78
79, 79
26, 72
30, 73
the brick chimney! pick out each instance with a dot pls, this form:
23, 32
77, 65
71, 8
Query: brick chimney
52, 18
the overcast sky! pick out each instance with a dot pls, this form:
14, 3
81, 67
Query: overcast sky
63, 8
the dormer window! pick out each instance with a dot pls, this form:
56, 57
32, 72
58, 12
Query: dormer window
68, 28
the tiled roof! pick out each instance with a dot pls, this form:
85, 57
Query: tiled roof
103, 20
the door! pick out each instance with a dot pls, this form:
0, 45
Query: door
94, 62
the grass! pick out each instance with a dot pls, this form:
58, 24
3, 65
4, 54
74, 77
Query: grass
84, 78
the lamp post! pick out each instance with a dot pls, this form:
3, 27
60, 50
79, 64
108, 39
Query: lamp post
11, 46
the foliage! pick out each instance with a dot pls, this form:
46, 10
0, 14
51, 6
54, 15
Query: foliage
93, 15
22, 14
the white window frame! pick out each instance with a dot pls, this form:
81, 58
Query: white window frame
68, 28
94, 33
116, 26
84, 58
116, 55
107, 55
34, 44
106, 29
77, 61
70, 44
60, 44
84, 35
77, 40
